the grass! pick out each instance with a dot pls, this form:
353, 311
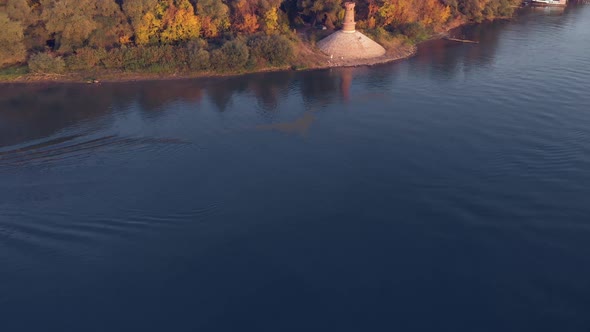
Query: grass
10, 73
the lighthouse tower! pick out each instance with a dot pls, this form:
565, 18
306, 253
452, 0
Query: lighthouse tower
349, 23
349, 44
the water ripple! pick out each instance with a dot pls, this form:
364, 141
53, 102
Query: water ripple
76, 147
64, 232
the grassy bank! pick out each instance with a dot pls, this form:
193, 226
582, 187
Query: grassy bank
235, 57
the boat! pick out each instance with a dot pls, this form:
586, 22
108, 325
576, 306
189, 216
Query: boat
545, 3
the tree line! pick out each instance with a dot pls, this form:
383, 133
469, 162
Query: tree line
59, 35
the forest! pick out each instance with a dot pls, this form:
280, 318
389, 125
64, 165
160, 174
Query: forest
165, 36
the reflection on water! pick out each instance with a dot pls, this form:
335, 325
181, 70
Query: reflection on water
30, 112
298, 126
450, 186
34, 111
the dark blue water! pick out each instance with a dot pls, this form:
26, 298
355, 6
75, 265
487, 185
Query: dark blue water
449, 192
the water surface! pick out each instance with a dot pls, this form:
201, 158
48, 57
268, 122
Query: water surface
448, 192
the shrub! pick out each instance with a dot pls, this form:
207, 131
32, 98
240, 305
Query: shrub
159, 58
13, 72
152, 58
46, 63
317, 35
114, 58
415, 32
85, 58
231, 56
136, 58
199, 60
275, 49
197, 56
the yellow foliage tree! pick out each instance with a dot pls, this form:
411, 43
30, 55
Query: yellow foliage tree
432, 13
183, 25
168, 22
271, 20
148, 29
397, 13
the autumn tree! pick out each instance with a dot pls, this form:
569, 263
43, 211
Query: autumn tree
244, 17
27, 12
140, 13
269, 12
78, 23
399, 13
180, 22
163, 21
214, 16
12, 47
113, 27
500, 8
473, 9
479, 10
70, 21
19, 10
366, 11
431, 13
146, 19
320, 10
396, 13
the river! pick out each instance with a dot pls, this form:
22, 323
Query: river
447, 192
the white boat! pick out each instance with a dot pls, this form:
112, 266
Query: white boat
549, 2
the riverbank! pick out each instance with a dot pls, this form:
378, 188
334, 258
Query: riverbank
307, 58
185, 41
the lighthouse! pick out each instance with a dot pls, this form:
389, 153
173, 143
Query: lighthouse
349, 44
349, 24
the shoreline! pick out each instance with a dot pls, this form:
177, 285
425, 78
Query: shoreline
105, 76
307, 58
394, 54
